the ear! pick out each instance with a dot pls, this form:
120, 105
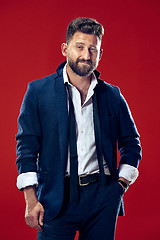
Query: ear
100, 55
64, 47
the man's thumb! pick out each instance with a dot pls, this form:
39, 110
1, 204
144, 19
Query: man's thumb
41, 217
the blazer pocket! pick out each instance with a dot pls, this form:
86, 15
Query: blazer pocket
42, 177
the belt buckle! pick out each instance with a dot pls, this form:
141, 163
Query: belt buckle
82, 184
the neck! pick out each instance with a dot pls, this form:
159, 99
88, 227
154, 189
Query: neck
79, 82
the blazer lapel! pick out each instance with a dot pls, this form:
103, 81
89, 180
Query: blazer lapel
103, 110
105, 124
62, 111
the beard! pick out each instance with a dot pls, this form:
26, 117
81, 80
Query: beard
82, 70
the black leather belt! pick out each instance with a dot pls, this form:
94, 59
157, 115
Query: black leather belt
87, 179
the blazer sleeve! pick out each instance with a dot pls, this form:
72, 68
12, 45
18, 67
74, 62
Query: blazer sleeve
29, 133
128, 137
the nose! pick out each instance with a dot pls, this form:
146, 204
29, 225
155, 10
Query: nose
86, 54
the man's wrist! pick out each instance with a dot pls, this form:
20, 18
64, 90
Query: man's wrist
124, 183
124, 180
30, 195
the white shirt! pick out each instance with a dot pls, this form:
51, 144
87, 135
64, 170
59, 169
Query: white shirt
86, 149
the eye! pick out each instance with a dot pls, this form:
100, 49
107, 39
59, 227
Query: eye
92, 49
80, 47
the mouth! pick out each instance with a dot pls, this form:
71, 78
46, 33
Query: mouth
85, 62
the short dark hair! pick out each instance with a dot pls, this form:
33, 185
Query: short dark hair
84, 25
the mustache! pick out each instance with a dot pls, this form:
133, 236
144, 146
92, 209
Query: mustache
84, 61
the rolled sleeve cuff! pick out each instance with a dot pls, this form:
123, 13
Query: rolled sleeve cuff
27, 179
128, 172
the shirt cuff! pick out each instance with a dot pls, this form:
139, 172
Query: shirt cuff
27, 179
128, 172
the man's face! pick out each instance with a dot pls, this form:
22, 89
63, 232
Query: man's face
83, 53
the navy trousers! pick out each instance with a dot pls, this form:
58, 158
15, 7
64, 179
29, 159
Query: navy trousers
95, 216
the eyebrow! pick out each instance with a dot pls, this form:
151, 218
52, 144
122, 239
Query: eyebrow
80, 43
84, 44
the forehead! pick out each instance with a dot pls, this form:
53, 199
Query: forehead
89, 39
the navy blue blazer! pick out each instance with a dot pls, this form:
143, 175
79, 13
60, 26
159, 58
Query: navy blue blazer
42, 138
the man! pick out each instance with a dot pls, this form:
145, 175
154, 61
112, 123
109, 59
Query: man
68, 129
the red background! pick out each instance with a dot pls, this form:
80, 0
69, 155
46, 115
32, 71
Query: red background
31, 33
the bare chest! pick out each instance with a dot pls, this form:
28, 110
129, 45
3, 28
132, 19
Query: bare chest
83, 94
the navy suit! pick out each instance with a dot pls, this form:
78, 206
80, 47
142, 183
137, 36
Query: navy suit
42, 139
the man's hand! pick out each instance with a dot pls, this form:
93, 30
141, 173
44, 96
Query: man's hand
34, 210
